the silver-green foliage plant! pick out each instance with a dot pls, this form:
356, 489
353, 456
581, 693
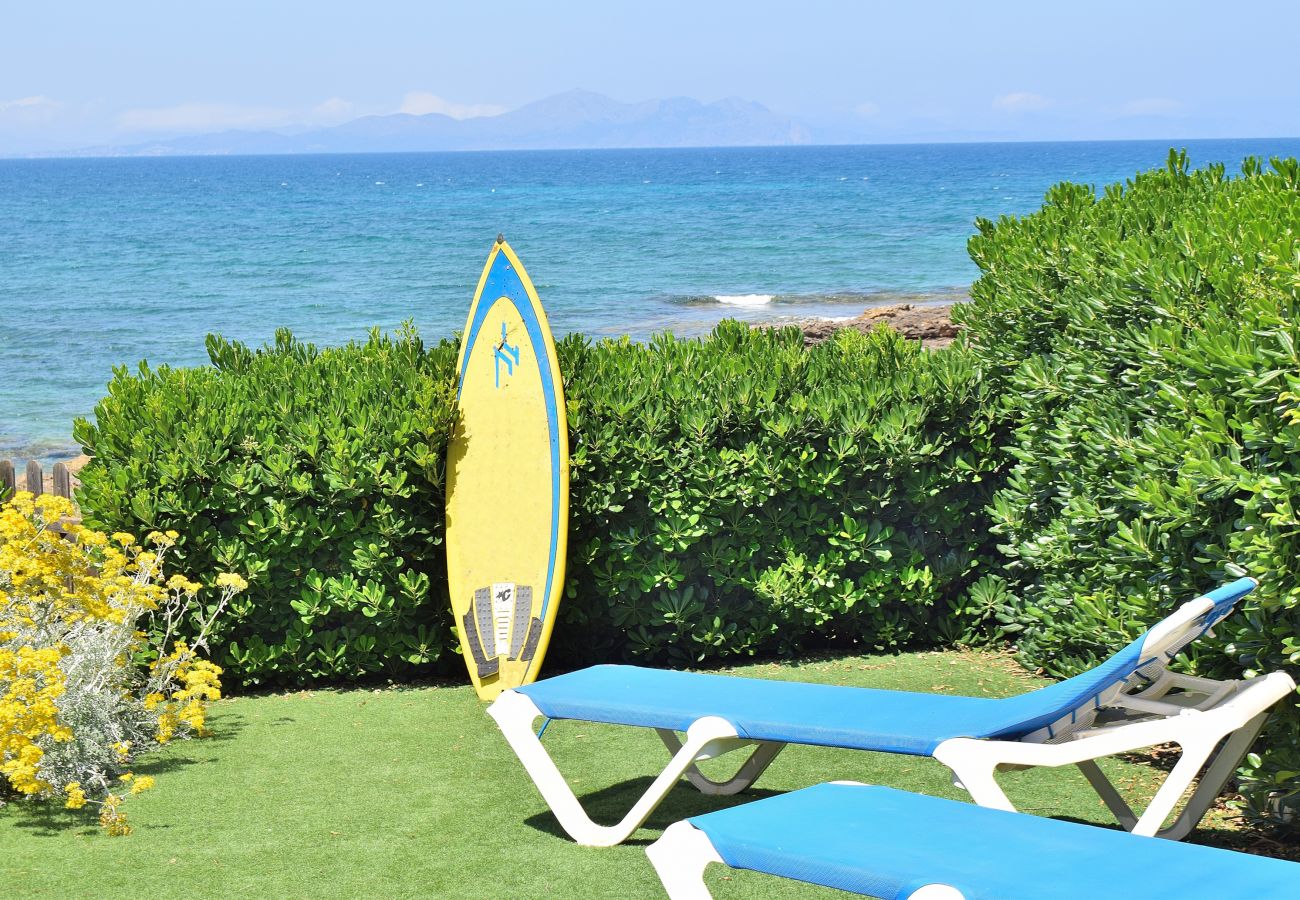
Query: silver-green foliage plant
82, 692
1145, 347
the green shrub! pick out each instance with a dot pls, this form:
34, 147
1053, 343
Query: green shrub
315, 473
1144, 349
744, 495
732, 495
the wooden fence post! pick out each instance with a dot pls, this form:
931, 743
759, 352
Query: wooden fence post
62, 478
35, 478
62, 481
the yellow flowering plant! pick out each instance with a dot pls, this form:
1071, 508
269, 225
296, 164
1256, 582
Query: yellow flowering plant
83, 689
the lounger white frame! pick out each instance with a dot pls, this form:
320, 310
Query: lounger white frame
1213, 722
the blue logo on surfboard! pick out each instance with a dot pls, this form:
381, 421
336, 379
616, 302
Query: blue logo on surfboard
505, 353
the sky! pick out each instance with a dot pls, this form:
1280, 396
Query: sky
76, 74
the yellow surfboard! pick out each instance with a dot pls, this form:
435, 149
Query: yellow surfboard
507, 481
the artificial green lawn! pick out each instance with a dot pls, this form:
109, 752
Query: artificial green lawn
412, 792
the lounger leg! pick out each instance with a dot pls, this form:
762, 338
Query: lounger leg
1222, 765
1102, 785
515, 713
1233, 723
746, 775
1195, 752
680, 856
974, 770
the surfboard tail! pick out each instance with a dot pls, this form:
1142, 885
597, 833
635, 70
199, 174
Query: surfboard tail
500, 627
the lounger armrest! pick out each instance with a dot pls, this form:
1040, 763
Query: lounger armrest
1140, 704
1207, 692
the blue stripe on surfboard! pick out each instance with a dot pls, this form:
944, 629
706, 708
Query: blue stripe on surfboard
503, 281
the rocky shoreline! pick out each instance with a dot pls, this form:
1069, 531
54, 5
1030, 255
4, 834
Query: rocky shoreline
932, 325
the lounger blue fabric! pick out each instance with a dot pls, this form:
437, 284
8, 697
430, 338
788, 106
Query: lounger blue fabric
797, 712
784, 711
887, 843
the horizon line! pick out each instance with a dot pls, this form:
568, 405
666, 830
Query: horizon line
32, 157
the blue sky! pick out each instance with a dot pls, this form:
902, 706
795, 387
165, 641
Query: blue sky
75, 74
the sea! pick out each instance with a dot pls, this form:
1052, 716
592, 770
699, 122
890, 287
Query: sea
108, 262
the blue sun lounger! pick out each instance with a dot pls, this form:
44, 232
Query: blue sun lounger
893, 845
1126, 703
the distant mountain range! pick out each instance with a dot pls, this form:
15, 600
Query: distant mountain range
577, 119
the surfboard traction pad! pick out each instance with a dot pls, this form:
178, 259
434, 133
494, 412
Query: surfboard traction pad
480, 629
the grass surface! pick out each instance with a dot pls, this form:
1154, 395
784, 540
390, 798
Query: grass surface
412, 792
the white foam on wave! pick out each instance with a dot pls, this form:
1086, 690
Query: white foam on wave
744, 299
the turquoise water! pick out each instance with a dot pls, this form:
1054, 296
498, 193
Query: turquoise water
109, 261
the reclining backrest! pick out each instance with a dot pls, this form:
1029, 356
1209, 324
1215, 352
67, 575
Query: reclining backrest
1054, 712
1224, 600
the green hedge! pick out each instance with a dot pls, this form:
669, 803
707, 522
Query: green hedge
744, 495
731, 496
1144, 347
315, 473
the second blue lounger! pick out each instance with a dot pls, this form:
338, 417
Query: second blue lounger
894, 845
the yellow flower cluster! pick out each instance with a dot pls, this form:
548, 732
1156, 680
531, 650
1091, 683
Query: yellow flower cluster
45, 575
199, 683
72, 602
232, 581
162, 539
32, 682
138, 785
1291, 400
183, 585
76, 796
112, 818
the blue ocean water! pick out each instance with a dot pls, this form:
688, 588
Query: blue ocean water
109, 261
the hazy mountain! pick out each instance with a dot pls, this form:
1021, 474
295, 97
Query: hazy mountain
577, 119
